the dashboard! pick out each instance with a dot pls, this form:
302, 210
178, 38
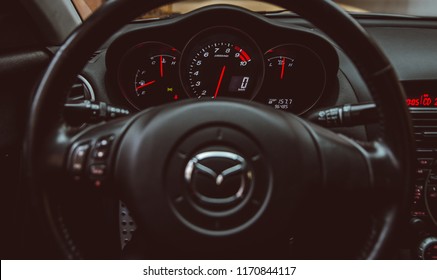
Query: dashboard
279, 60
215, 56
284, 63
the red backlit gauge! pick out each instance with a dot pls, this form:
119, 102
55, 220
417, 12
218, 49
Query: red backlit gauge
295, 78
148, 75
222, 62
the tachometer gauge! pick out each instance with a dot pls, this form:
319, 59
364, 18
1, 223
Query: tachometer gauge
295, 78
149, 75
222, 62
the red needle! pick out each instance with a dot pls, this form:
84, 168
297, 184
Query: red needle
220, 81
160, 66
145, 85
282, 70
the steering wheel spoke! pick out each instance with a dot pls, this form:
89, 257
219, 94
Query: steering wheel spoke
360, 167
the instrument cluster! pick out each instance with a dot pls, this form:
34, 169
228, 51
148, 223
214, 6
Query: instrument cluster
287, 69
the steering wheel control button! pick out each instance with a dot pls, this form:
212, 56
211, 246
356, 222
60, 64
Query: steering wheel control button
89, 160
102, 147
78, 159
99, 160
98, 170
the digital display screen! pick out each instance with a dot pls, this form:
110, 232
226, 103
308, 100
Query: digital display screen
280, 103
238, 84
421, 94
423, 100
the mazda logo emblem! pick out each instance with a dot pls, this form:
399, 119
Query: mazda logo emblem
218, 166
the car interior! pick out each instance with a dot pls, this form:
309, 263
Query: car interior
222, 131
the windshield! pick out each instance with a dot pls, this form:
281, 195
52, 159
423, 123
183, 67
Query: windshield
400, 7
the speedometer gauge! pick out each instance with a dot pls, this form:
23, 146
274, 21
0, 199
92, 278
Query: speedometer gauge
222, 62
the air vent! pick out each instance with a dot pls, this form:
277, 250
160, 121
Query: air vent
81, 91
425, 127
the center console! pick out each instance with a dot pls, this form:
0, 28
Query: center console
422, 101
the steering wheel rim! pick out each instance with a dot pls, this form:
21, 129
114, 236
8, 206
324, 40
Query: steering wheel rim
376, 70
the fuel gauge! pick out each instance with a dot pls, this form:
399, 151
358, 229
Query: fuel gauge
294, 80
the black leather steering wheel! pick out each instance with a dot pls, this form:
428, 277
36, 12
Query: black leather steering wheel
277, 159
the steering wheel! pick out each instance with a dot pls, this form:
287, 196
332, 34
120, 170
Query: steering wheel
229, 184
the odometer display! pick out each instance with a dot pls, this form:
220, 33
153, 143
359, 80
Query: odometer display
222, 62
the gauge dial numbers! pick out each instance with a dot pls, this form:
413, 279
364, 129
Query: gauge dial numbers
222, 62
295, 78
149, 75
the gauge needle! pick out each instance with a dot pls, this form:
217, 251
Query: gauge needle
145, 85
282, 69
220, 81
161, 68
